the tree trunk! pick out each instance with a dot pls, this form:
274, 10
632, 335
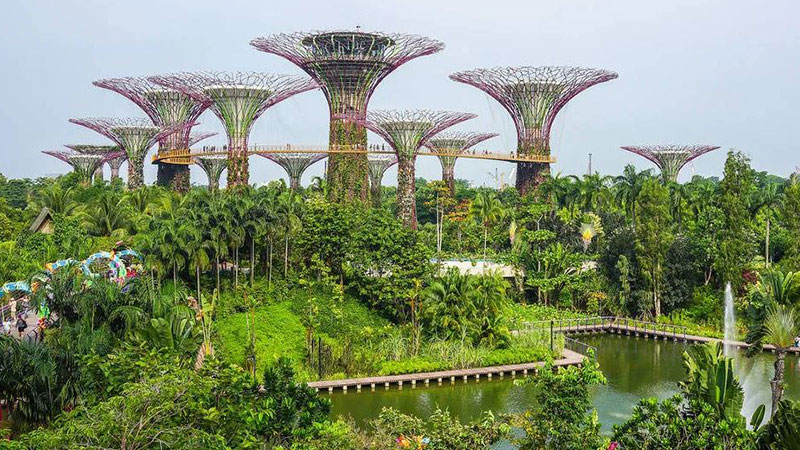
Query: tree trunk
216, 266
406, 201
197, 273
252, 259
777, 380
236, 267
269, 277
766, 246
286, 255
485, 236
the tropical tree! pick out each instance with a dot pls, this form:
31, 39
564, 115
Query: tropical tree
734, 250
768, 199
108, 215
653, 237
57, 199
627, 188
781, 327
487, 210
449, 304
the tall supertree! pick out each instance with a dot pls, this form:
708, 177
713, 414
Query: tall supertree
164, 107
348, 65
89, 149
378, 165
84, 165
533, 96
670, 158
238, 99
294, 164
406, 132
213, 167
135, 136
448, 145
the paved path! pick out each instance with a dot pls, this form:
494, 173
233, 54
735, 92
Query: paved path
570, 359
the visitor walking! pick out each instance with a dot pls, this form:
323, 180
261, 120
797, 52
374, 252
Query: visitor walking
7, 324
21, 325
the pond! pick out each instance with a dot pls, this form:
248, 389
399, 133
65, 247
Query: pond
635, 368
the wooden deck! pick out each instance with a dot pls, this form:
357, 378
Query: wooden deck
513, 370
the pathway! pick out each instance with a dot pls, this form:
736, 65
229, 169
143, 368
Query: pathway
570, 358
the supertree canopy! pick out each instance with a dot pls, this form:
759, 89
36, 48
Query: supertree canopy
378, 164
670, 158
533, 96
448, 145
406, 132
294, 164
135, 136
89, 149
194, 138
348, 65
85, 165
164, 107
238, 99
213, 167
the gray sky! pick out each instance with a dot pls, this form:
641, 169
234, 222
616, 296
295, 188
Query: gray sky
721, 72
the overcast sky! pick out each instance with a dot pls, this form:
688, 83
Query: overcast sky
721, 72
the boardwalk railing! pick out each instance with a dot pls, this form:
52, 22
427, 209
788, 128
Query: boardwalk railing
588, 351
605, 323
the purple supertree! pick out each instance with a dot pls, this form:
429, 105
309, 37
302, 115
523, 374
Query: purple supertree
348, 65
406, 132
238, 99
135, 136
378, 165
447, 146
533, 96
194, 138
85, 165
90, 149
670, 158
212, 165
294, 163
164, 107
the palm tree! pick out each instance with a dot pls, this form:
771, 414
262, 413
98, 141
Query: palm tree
767, 200
627, 187
108, 216
57, 199
486, 210
781, 328
449, 304
289, 207
593, 191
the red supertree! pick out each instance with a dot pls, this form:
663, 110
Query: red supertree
164, 107
294, 164
84, 164
670, 158
238, 99
348, 65
533, 96
448, 145
406, 132
378, 165
135, 136
103, 150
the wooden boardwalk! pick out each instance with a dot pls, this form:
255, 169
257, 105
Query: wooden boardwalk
513, 370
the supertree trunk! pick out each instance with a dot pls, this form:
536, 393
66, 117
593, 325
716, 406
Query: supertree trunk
406, 203
530, 175
238, 164
375, 193
98, 173
174, 176
348, 176
294, 183
135, 173
115, 172
449, 178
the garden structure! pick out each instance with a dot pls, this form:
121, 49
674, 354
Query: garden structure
238, 99
378, 165
445, 145
406, 131
103, 150
294, 164
348, 65
135, 136
85, 165
670, 159
165, 107
213, 167
533, 96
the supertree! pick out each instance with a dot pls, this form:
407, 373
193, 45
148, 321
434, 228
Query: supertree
194, 138
84, 165
294, 164
378, 164
348, 65
533, 96
135, 136
238, 99
164, 107
447, 145
89, 149
213, 167
670, 158
406, 132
